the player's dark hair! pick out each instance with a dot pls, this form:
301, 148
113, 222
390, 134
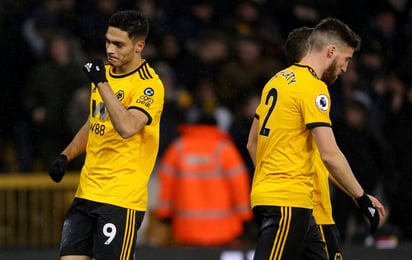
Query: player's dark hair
333, 28
133, 22
297, 44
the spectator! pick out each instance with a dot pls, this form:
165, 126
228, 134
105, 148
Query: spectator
211, 52
13, 76
157, 18
381, 29
398, 128
197, 21
173, 108
359, 144
239, 128
206, 100
92, 24
42, 21
172, 51
49, 89
246, 72
204, 187
249, 19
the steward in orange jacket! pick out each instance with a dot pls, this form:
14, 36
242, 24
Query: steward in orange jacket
204, 187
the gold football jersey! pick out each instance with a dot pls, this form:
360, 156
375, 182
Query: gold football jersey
322, 207
292, 102
117, 170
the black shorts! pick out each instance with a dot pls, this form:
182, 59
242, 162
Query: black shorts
101, 231
287, 233
330, 234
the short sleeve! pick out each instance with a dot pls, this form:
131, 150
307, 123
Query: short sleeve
315, 105
149, 98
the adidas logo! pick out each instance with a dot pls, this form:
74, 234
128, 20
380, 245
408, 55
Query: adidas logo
88, 66
372, 211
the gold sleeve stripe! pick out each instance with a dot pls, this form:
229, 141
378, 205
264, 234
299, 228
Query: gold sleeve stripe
282, 233
129, 232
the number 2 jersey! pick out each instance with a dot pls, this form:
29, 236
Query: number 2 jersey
117, 170
292, 102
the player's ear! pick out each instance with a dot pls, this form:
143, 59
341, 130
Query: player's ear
139, 46
331, 50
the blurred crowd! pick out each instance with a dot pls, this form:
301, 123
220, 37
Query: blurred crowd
214, 57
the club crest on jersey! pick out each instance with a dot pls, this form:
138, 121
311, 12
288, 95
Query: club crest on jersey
322, 102
119, 95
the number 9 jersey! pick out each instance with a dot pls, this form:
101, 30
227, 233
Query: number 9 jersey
117, 170
292, 102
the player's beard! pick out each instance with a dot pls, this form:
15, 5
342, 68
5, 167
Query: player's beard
330, 75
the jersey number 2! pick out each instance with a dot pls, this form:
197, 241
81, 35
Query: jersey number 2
271, 97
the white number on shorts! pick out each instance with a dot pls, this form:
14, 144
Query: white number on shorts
109, 230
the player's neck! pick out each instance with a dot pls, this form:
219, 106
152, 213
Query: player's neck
130, 66
316, 62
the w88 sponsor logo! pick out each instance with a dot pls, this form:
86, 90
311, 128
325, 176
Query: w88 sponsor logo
97, 128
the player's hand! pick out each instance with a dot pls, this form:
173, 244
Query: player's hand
95, 71
380, 208
368, 208
58, 168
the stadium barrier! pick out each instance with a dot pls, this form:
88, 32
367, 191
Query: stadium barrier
32, 208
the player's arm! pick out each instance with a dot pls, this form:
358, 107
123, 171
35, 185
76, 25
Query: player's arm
252, 140
76, 147
340, 170
78, 144
374, 200
335, 161
127, 122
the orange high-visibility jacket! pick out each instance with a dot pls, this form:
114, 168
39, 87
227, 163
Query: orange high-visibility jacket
204, 187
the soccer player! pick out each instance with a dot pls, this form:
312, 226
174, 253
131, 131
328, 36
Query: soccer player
294, 113
121, 140
296, 47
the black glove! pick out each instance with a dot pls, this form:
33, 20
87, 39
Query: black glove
369, 210
58, 168
95, 71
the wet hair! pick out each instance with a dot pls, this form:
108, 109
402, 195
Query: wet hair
333, 31
297, 44
133, 22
